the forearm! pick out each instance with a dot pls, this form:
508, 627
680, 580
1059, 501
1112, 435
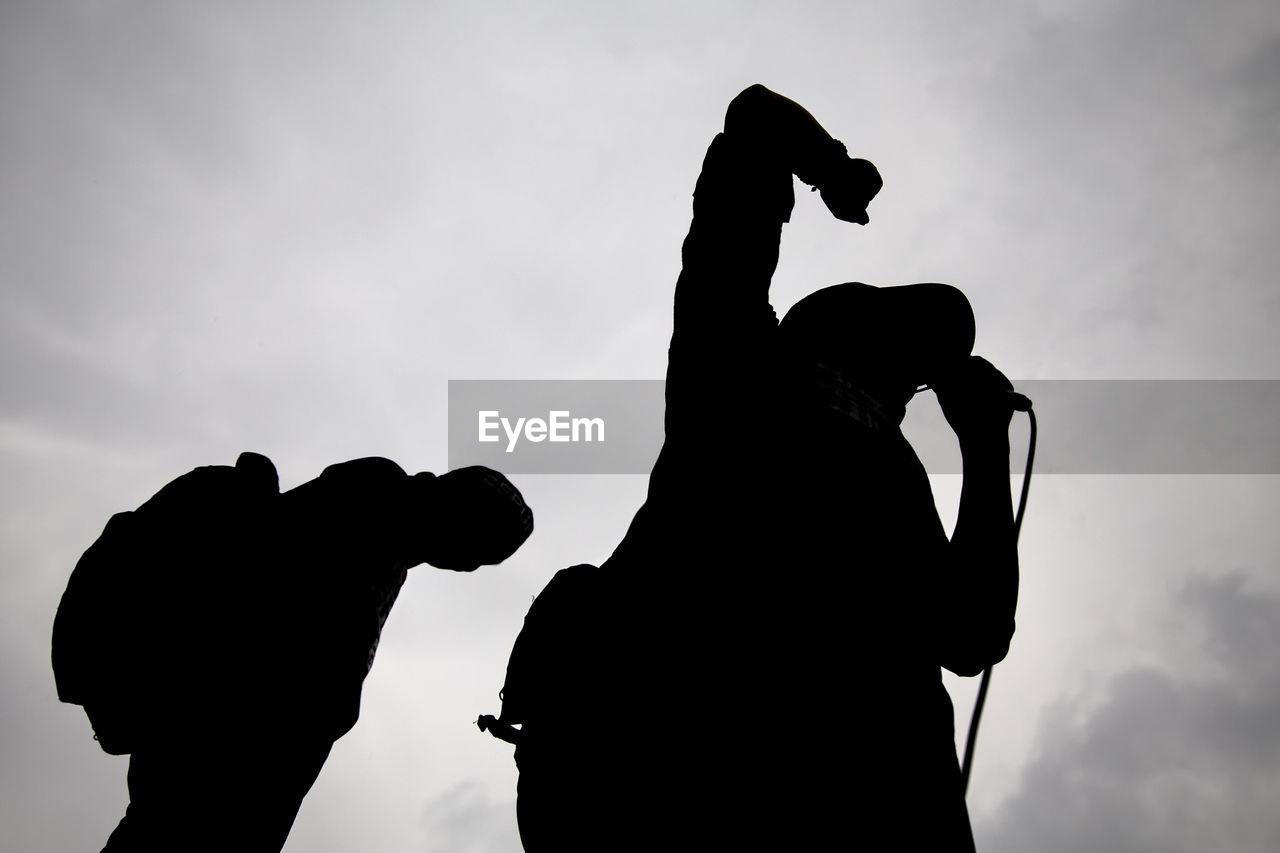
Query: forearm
743, 196
722, 310
744, 192
731, 251
981, 588
786, 131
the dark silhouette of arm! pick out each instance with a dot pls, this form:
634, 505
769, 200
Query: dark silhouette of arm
787, 132
979, 590
724, 325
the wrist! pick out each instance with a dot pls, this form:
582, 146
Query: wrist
821, 167
990, 444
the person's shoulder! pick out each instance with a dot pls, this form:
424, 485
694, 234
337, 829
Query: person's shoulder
251, 472
368, 469
574, 577
212, 489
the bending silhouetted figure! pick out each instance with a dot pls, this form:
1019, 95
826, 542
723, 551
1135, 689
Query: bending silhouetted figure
786, 596
221, 632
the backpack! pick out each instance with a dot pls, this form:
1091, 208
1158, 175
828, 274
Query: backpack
139, 617
594, 702
558, 689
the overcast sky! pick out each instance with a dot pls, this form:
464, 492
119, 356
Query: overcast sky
283, 227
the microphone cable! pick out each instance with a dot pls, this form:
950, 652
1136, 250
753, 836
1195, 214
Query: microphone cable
1024, 405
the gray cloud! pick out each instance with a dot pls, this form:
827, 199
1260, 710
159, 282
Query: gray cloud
1173, 760
466, 820
1131, 143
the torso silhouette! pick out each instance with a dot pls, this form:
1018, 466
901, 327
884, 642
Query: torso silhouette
337, 536
221, 634
780, 661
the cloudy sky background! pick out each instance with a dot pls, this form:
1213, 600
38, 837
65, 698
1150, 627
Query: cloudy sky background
284, 227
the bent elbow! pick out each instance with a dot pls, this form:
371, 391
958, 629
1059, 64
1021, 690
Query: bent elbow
755, 93
747, 108
963, 668
971, 658
969, 667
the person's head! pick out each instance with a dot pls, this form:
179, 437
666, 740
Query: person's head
886, 340
475, 517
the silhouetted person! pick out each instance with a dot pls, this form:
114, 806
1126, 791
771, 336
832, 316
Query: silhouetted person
785, 597
221, 632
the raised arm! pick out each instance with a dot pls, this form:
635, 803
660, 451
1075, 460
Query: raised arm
785, 131
723, 320
744, 194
